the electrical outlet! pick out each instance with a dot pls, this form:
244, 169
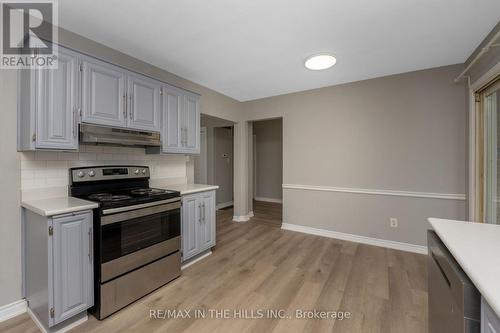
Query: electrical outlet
394, 222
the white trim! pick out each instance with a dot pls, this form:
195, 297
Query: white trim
473, 87
356, 238
268, 199
62, 329
243, 218
194, 261
12, 310
224, 205
447, 196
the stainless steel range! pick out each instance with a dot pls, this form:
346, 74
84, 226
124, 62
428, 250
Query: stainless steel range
136, 233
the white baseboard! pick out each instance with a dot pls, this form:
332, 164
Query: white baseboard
356, 238
243, 218
224, 205
52, 330
194, 261
268, 199
12, 310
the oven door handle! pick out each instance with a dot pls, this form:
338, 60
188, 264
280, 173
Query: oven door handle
132, 214
134, 207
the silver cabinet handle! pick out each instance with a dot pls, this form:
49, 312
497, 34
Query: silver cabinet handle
199, 216
75, 124
90, 245
204, 213
125, 106
131, 111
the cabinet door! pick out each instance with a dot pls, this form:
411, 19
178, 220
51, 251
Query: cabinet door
72, 266
190, 226
144, 100
191, 124
490, 323
207, 225
103, 94
172, 108
57, 104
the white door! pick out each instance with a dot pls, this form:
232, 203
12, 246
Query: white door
144, 103
104, 100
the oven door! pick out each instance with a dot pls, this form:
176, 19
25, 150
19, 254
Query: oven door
134, 238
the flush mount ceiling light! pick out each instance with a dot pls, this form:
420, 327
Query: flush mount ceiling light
320, 61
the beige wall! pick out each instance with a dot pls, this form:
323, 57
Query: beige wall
269, 158
403, 132
10, 167
212, 103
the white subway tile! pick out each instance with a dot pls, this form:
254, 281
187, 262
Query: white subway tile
120, 157
27, 155
57, 165
66, 156
30, 165
46, 155
111, 150
91, 149
56, 181
87, 156
27, 174
104, 157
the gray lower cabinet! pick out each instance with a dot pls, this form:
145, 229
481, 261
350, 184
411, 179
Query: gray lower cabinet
198, 223
48, 105
58, 265
181, 121
490, 323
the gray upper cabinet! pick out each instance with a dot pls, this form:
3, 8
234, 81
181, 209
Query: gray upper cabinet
181, 121
72, 265
172, 109
83, 89
103, 93
198, 223
48, 105
144, 103
191, 124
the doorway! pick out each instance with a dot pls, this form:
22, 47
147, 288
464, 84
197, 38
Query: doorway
487, 157
214, 166
267, 165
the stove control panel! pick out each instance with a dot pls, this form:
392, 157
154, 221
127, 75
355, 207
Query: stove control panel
100, 173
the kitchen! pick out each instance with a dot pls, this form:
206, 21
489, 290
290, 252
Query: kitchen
107, 224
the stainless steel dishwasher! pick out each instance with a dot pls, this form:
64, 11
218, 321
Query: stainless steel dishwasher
454, 302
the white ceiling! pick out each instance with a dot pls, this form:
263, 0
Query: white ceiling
250, 49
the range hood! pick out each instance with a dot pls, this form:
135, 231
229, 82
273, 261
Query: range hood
118, 136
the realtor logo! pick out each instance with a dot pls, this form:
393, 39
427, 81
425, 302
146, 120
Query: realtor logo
29, 34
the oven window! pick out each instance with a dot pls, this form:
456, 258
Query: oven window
122, 238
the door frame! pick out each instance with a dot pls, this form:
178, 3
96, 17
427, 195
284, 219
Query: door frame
476, 168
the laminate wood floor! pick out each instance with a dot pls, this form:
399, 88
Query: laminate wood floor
256, 265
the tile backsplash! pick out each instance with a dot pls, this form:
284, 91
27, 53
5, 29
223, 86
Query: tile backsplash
50, 169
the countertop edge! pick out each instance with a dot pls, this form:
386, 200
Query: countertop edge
192, 191
484, 291
31, 205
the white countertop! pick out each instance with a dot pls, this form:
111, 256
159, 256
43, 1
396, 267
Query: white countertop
476, 247
190, 188
56, 206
